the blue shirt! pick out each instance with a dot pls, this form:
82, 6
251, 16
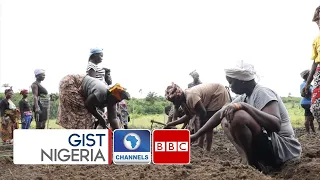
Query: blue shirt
305, 100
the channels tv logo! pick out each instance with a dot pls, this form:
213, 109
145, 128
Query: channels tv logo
62, 146
131, 146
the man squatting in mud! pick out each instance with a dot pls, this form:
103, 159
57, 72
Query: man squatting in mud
257, 122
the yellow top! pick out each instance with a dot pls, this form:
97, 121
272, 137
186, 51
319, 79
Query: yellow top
316, 50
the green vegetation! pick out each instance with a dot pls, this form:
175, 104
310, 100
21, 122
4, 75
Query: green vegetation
152, 108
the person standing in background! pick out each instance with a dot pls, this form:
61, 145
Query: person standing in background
123, 113
96, 71
41, 99
9, 116
93, 68
25, 110
306, 103
196, 80
314, 72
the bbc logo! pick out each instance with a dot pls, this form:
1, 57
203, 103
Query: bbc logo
171, 146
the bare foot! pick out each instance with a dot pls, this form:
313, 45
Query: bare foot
197, 144
208, 149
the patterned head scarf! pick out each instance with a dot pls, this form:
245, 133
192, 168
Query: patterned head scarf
119, 92
316, 15
305, 72
23, 92
242, 71
173, 92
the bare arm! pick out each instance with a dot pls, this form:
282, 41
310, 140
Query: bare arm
169, 119
213, 122
35, 97
21, 109
92, 73
201, 112
312, 72
183, 119
175, 112
91, 103
268, 117
112, 116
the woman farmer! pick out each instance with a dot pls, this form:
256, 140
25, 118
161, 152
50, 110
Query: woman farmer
25, 110
315, 72
123, 112
80, 98
93, 67
202, 100
306, 102
40, 99
9, 115
196, 81
256, 122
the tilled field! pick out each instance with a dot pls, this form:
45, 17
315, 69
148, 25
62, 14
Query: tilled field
221, 163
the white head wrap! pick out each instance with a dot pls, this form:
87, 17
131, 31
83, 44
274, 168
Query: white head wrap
38, 71
242, 71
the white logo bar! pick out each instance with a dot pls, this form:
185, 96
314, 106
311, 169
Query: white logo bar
62, 146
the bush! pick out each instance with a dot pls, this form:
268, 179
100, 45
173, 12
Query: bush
152, 104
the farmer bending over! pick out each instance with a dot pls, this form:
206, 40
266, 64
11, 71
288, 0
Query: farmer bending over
80, 96
202, 100
257, 122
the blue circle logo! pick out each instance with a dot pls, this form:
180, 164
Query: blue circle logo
132, 141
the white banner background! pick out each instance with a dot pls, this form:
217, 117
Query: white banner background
28, 144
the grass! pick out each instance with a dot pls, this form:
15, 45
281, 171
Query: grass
143, 121
137, 121
296, 114
50, 123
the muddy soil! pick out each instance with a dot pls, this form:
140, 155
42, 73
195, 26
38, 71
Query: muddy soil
222, 163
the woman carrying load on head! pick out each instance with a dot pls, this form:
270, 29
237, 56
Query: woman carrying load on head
257, 122
315, 72
9, 116
80, 98
202, 100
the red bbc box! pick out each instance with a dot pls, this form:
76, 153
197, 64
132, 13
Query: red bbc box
171, 146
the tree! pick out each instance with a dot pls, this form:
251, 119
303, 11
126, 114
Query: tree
151, 97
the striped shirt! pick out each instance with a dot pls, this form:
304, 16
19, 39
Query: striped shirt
100, 71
